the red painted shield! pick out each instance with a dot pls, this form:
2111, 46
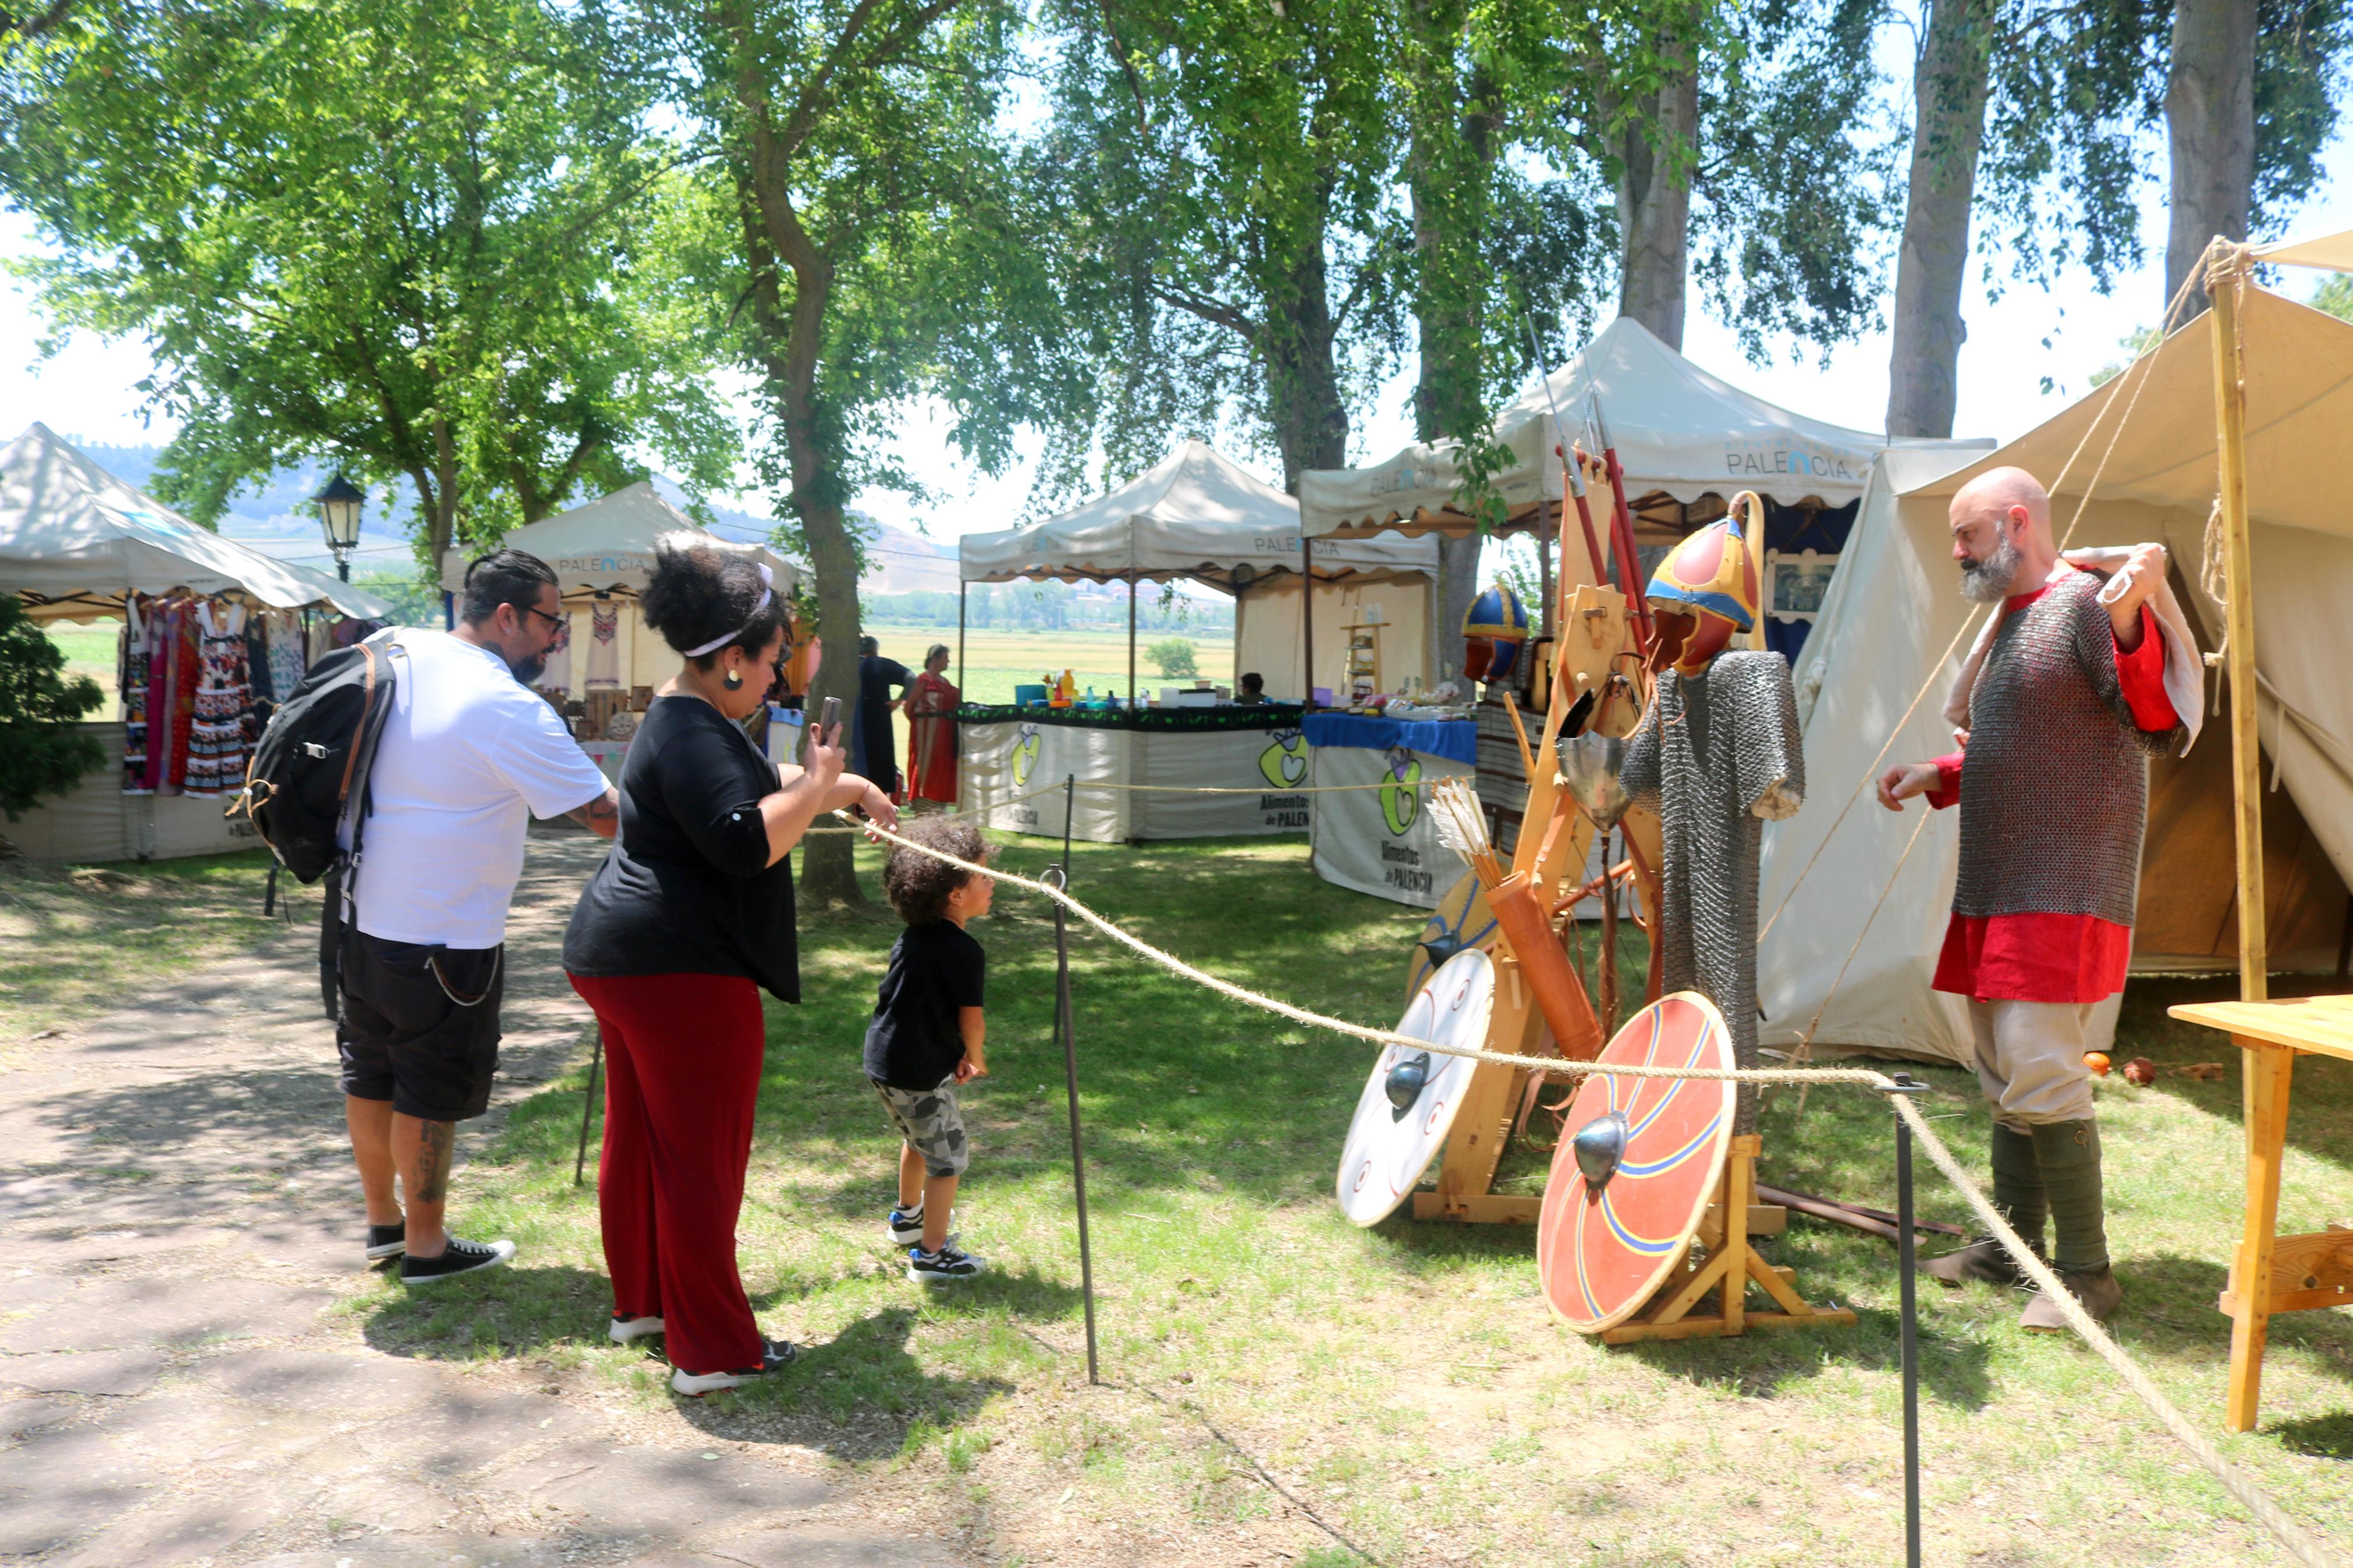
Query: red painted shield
1601, 1252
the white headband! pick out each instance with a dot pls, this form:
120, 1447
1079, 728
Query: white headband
767, 592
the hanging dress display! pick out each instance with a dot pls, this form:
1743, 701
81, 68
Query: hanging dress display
131, 680
216, 738
555, 675
288, 654
172, 652
261, 689
603, 644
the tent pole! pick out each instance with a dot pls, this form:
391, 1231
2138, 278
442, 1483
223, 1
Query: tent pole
1130, 643
1544, 574
2226, 272
963, 589
1306, 623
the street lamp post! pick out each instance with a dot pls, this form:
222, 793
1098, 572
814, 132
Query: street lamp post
339, 515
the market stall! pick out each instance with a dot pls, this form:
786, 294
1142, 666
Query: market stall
1687, 442
1199, 517
1382, 840
1137, 772
604, 671
212, 634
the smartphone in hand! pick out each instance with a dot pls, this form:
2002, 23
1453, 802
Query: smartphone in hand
829, 722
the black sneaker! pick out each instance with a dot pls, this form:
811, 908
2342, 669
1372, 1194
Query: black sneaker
387, 1241
774, 1355
461, 1257
907, 1226
948, 1263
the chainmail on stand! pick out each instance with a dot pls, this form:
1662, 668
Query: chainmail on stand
1718, 755
2052, 744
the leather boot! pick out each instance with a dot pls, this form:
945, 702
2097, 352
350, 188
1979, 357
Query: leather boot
2069, 1154
2097, 1288
2017, 1192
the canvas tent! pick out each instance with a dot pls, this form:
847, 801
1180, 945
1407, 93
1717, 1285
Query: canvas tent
1685, 438
606, 550
2148, 437
74, 540
1198, 516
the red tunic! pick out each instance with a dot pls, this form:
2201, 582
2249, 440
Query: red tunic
2051, 957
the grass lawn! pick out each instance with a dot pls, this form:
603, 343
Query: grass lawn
75, 940
995, 661
90, 650
1283, 1388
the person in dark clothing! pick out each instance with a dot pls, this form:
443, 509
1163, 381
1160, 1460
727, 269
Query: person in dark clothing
876, 756
1253, 689
928, 1035
690, 917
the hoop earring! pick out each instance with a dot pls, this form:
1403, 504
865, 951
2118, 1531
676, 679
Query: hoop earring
734, 680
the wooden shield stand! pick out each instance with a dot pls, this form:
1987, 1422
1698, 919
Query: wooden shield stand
1731, 1268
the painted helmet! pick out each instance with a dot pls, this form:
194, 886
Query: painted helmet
1703, 592
1492, 633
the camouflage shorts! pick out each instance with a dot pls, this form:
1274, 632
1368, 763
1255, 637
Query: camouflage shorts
932, 1122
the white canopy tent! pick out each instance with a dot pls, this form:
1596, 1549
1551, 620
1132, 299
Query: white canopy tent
2142, 448
74, 540
1681, 434
1197, 515
605, 550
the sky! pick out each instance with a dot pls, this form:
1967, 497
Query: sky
2065, 334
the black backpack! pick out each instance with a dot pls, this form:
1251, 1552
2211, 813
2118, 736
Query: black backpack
313, 759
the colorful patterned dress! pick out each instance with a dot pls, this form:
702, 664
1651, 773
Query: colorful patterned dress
217, 738
172, 656
130, 679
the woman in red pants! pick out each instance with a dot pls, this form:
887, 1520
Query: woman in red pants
689, 919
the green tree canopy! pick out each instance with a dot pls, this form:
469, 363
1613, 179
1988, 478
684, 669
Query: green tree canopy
400, 238
42, 754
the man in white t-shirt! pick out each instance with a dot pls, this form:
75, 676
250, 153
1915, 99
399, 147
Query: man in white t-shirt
468, 755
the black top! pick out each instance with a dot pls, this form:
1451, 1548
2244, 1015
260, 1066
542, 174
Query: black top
876, 677
687, 889
915, 1039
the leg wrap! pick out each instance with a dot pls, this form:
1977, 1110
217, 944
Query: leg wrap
2018, 1189
2069, 1154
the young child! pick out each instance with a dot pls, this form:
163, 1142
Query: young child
927, 1036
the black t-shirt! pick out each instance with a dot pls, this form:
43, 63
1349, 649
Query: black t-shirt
915, 1039
687, 889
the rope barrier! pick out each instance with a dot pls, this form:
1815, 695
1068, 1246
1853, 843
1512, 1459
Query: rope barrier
2301, 1544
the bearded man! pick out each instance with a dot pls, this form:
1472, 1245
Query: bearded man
2059, 706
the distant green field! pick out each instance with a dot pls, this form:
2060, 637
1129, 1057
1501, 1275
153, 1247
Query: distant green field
89, 650
996, 662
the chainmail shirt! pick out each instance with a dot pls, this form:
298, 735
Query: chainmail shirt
2054, 780
1717, 756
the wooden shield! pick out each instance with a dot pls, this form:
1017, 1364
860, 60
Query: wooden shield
1602, 1251
1461, 918
1390, 1146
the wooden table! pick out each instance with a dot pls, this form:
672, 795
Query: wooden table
2273, 1273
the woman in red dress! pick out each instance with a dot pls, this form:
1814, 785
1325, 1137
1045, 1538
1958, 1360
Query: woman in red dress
931, 705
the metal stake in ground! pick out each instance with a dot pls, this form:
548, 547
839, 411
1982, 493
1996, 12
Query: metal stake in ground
1906, 1084
589, 1105
1070, 805
1057, 878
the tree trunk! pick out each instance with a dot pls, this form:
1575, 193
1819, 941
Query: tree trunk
788, 344
1948, 106
1302, 381
1654, 155
2209, 118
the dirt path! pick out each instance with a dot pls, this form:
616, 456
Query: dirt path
178, 1220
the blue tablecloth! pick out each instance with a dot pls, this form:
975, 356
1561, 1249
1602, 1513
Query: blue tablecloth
1456, 740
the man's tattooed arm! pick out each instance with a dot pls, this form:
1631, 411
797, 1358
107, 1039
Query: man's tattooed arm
601, 816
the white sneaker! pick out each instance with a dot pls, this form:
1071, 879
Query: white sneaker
775, 1353
624, 1330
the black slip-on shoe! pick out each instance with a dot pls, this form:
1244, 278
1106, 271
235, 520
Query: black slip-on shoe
461, 1257
387, 1241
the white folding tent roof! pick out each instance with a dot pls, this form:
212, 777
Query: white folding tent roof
74, 540
609, 545
1193, 515
2142, 449
1678, 430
